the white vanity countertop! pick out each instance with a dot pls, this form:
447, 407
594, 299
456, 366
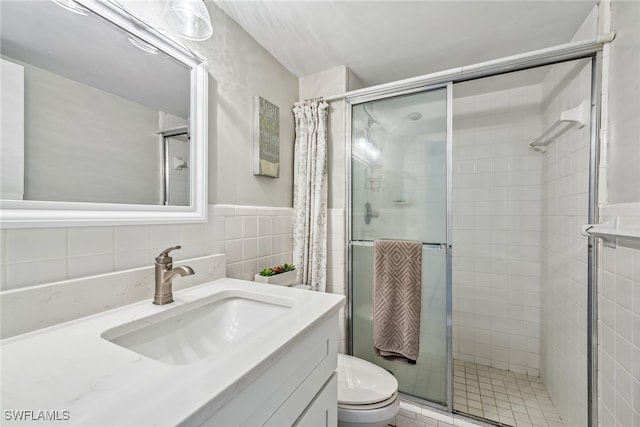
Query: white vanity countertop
70, 367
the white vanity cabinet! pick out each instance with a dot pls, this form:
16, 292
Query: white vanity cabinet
299, 389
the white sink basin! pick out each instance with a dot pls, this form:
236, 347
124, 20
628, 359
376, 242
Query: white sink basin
193, 331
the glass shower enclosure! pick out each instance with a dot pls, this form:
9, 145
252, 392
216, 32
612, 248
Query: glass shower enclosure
400, 151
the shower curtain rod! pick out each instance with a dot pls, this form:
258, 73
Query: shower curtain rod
535, 58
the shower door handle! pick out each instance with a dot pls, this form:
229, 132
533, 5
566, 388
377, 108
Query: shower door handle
368, 213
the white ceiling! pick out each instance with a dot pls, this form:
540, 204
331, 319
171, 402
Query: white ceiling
383, 41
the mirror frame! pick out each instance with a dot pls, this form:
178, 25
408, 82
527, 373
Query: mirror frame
33, 213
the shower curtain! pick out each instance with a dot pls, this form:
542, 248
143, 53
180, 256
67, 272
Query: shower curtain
310, 193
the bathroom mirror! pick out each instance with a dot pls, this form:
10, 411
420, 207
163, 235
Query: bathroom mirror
103, 118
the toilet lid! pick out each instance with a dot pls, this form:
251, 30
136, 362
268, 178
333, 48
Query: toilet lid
376, 405
362, 383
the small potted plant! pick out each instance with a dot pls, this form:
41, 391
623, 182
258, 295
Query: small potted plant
283, 275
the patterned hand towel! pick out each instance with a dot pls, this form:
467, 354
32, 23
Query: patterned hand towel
397, 299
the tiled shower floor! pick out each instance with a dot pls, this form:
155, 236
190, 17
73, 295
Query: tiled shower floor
514, 399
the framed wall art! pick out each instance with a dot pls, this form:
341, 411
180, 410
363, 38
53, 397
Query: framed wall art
266, 138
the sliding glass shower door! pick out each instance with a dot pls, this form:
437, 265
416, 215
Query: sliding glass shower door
399, 182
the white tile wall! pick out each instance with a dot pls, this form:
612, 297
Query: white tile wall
43, 255
496, 229
252, 237
619, 324
563, 349
337, 265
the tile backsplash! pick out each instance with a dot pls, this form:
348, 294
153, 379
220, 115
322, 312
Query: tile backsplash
33, 256
252, 237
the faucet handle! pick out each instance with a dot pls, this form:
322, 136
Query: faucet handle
164, 255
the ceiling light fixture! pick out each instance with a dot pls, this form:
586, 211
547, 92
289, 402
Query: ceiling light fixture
189, 18
71, 6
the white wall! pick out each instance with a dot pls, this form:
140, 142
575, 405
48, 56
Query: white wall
622, 98
496, 229
243, 69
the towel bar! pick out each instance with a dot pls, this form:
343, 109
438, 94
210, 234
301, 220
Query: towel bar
577, 116
424, 245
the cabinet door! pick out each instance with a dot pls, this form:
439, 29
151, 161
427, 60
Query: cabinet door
323, 409
285, 390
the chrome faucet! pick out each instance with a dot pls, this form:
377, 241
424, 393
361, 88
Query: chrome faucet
165, 274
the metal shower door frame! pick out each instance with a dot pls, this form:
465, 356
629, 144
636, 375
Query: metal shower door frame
590, 49
448, 86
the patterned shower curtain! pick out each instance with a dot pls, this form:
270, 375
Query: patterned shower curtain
310, 193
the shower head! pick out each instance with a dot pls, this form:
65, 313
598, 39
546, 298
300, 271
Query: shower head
413, 116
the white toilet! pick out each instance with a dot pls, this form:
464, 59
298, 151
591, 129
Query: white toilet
367, 394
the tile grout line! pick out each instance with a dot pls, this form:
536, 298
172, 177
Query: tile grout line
523, 404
